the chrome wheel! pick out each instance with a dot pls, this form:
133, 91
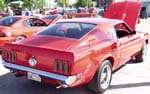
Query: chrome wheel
19, 38
101, 81
105, 77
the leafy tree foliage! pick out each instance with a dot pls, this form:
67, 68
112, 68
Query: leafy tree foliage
8, 1
61, 3
33, 3
84, 3
2, 4
29, 3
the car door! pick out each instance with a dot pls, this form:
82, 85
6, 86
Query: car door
128, 42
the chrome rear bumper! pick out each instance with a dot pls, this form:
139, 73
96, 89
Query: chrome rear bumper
66, 80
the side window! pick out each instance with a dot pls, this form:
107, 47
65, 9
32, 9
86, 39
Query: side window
122, 30
26, 23
37, 22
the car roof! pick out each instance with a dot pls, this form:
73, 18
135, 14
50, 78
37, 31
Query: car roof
22, 17
97, 21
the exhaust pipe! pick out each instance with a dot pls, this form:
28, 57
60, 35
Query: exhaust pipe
62, 86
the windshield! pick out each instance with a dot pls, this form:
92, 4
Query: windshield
68, 29
8, 21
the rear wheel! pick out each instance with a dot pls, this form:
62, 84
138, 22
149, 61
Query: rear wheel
101, 81
20, 38
142, 55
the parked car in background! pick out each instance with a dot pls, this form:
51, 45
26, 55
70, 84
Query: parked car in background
79, 51
79, 13
14, 28
51, 19
53, 11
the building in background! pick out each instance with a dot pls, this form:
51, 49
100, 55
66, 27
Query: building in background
50, 4
53, 3
71, 2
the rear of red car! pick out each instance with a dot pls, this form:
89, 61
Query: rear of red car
39, 64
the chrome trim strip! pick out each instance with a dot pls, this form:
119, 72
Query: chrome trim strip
42, 73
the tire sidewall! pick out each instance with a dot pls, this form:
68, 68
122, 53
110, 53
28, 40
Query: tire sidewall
104, 63
144, 50
142, 55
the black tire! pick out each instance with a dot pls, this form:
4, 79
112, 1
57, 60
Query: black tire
100, 84
142, 55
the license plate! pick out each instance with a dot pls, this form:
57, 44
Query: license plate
33, 76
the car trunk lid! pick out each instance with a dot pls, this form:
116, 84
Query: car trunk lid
50, 57
50, 42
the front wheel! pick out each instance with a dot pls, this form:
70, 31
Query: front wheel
142, 55
101, 81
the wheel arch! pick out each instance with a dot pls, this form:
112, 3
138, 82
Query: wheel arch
93, 81
23, 36
110, 58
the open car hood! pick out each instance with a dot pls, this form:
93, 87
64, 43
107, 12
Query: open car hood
128, 11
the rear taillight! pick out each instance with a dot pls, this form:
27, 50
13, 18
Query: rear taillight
2, 34
62, 66
10, 56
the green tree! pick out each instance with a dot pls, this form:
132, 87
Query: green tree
8, 1
60, 3
33, 3
27, 3
39, 3
84, 3
2, 4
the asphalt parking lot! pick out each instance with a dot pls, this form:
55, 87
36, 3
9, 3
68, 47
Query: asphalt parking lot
133, 78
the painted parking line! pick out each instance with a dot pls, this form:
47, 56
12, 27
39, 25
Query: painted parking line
3, 70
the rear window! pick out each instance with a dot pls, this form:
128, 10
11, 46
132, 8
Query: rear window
8, 21
69, 30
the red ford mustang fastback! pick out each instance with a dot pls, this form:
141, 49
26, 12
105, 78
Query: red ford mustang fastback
80, 51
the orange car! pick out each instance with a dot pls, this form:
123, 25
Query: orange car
14, 28
80, 13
